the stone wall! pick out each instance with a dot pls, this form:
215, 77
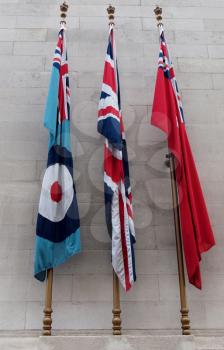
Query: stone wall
83, 286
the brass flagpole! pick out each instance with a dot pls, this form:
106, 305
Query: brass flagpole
47, 321
185, 320
116, 321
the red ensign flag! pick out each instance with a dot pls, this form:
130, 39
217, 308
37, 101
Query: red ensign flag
167, 114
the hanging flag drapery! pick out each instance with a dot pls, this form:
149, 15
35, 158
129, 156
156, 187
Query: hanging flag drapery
117, 187
167, 114
57, 232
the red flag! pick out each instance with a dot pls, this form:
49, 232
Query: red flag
167, 114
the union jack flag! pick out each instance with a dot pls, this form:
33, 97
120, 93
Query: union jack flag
60, 61
167, 114
117, 187
166, 64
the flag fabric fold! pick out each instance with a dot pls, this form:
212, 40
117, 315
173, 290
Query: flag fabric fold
58, 226
117, 187
167, 114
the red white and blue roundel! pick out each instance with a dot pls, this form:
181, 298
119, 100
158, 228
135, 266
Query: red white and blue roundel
58, 215
57, 193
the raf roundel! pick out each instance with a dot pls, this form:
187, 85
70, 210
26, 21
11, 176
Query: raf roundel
57, 193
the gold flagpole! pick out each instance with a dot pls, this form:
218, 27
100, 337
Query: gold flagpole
47, 321
185, 320
116, 321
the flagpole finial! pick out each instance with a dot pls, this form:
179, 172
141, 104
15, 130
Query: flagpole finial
64, 10
158, 12
111, 12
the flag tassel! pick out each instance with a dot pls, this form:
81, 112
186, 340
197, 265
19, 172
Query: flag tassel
185, 320
47, 321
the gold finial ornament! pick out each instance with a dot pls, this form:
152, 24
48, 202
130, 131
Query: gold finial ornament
64, 10
158, 12
111, 12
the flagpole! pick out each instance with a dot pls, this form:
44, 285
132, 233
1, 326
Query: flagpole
116, 320
47, 321
185, 320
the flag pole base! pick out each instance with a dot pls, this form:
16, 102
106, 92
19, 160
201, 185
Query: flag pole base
185, 321
47, 321
116, 321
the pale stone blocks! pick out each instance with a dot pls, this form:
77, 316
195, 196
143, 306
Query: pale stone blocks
200, 37
159, 191
218, 230
62, 291
25, 80
198, 12
214, 308
194, 81
23, 151
218, 81
17, 237
24, 10
33, 48
34, 314
82, 286
208, 343
7, 22
87, 262
89, 79
146, 290
19, 192
13, 288
101, 289
216, 51
22, 62
163, 3
215, 212
12, 315
82, 315
6, 48
165, 237
175, 24
213, 25
122, 23
22, 34
20, 213
199, 65
44, 21
15, 262
18, 171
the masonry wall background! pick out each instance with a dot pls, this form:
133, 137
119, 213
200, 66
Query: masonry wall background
83, 286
